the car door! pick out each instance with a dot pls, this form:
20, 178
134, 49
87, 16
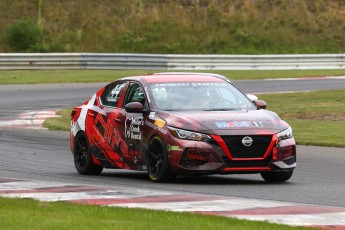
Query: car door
132, 123
110, 148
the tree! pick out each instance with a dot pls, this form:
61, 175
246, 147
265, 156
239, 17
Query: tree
24, 36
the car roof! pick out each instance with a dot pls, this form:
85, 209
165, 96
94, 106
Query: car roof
164, 77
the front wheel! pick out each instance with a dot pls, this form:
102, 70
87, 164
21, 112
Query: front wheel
83, 158
157, 161
276, 176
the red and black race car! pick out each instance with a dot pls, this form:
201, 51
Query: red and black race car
180, 123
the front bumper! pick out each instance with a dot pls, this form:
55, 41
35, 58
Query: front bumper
216, 156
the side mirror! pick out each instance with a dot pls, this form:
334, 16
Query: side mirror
134, 107
260, 104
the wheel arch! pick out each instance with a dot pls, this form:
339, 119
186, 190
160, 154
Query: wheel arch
80, 132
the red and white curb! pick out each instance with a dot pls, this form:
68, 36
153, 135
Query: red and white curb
244, 208
30, 119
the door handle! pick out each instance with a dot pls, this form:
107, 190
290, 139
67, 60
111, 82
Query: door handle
118, 120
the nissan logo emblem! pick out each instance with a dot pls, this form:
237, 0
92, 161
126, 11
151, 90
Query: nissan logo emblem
247, 141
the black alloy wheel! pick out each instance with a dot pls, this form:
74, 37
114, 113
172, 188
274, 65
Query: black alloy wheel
82, 157
158, 162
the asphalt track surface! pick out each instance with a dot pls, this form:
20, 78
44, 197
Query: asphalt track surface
45, 155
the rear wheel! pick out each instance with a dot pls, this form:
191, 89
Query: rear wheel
157, 161
82, 157
276, 176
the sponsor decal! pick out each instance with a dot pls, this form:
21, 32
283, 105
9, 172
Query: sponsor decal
226, 115
173, 148
152, 115
222, 124
132, 127
239, 124
159, 122
155, 127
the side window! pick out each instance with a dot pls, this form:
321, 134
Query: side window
112, 93
135, 93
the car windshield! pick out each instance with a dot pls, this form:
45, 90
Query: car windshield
207, 96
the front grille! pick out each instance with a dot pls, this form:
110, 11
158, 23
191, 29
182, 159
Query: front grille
256, 150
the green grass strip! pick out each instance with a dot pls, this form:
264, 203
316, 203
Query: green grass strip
69, 76
318, 132
31, 214
317, 118
60, 123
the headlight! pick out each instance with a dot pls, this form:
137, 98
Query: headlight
188, 135
286, 134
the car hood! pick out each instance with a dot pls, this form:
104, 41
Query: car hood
239, 122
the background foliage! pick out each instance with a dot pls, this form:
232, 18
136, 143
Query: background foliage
24, 36
181, 26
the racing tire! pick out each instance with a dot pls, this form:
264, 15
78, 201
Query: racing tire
83, 158
276, 176
157, 161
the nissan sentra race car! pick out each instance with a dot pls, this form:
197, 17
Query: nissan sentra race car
172, 124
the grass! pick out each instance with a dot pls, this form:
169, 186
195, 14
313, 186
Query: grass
60, 123
31, 214
318, 132
69, 76
64, 76
183, 26
317, 118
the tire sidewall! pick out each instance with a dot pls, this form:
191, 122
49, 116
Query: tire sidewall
82, 169
277, 177
165, 172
